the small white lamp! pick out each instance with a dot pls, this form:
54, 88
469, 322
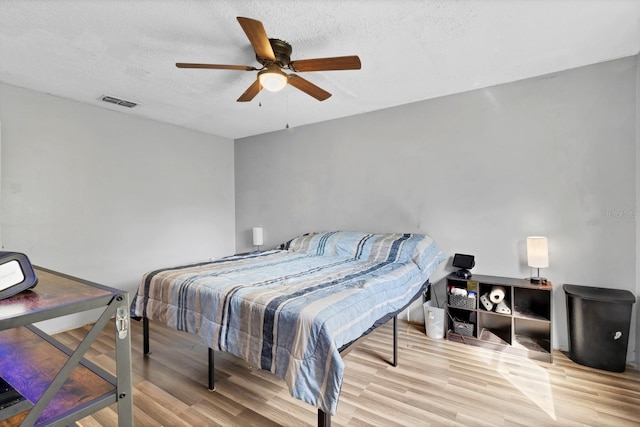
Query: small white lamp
258, 237
537, 255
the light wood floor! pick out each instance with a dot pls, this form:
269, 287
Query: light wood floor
438, 383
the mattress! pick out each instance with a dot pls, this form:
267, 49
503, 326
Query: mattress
290, 310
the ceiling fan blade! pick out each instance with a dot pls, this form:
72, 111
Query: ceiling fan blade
258, 37
307, 87
251, 92
326, 64
216, 66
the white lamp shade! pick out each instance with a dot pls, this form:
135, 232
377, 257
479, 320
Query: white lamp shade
537, 252
258, 237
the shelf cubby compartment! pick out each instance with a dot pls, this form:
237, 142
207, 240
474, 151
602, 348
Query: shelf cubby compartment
486, 288
467, 302
532, 304
462, 322
495, 328
532, 335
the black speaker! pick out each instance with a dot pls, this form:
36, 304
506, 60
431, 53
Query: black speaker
464, 263
16, 274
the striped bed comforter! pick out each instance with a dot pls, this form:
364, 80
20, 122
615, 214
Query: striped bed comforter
290, 310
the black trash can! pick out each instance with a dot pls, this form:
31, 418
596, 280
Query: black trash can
598, 321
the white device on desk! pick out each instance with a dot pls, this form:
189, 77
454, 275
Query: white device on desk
16, 274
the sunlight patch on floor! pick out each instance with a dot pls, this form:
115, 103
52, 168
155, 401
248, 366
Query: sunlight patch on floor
530, 379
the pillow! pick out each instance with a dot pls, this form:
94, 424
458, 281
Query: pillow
388, 247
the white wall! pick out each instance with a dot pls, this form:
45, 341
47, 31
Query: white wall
636, 307
107, 196
478, 171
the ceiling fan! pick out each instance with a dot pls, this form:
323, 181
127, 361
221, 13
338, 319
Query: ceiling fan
274, 55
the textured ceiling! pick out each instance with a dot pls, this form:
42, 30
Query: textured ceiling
410, 51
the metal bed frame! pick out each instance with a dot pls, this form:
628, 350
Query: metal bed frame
324, 419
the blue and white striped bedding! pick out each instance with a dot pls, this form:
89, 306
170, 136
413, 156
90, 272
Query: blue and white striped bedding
290, 310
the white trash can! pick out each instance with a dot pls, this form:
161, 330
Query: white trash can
433, 320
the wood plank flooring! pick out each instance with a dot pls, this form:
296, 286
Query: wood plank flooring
438, 383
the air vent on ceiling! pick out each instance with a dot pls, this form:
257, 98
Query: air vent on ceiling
118, 101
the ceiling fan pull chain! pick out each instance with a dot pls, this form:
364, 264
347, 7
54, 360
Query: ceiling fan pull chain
287, 126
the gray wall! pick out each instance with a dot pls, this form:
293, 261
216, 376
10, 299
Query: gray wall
107, 196
478, 171
637, 211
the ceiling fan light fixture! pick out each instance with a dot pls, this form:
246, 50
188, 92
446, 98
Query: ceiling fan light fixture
273, 79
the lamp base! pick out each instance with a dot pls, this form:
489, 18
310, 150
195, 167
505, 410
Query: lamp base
538, 280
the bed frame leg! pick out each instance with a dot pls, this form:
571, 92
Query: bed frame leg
145, 335
212, 383
395, 340
324, 419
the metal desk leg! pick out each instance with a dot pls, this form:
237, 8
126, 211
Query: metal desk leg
123, 362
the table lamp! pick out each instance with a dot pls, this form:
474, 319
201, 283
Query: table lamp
258, 237
537, 256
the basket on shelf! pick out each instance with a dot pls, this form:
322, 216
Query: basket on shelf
462, 301
463, 328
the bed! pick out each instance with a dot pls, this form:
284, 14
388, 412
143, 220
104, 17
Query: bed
294, 309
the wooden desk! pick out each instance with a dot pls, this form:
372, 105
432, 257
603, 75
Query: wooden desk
59, 384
